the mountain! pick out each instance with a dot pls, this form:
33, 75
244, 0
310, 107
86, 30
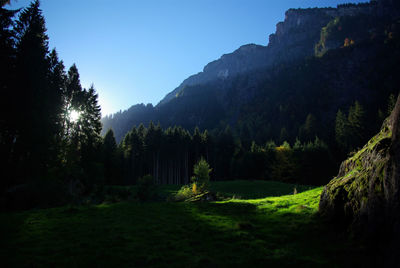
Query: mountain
294, 38
318, 61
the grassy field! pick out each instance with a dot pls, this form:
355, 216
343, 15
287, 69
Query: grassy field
272, 231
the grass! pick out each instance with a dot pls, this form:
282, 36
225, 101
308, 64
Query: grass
241, 189
272, 231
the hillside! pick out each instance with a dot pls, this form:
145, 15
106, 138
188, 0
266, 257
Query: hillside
268, 89
364, 196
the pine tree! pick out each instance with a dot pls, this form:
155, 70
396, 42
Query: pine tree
196, 144
309, 129
37, 98
356, 120
341, 133
8, 101
111, 170
72, 99
57, 79
224, 153
153, 148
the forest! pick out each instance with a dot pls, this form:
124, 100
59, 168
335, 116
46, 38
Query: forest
51, 142
246, 160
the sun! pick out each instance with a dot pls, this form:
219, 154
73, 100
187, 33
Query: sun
74, 115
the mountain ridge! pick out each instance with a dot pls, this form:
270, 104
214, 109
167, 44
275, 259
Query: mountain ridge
289, 34
221, 95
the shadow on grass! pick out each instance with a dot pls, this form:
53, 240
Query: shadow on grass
228, 234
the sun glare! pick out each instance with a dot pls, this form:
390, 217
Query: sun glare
74, 115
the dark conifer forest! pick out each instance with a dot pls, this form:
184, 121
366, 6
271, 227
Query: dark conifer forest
231, 157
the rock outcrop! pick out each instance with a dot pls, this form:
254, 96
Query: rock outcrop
294, 39
366, 193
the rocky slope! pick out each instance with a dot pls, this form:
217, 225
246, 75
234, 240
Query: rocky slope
264, 92
366, 193
294, 39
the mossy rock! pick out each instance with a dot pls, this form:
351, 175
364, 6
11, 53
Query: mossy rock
366, 190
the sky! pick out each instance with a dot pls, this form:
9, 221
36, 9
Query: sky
137, 51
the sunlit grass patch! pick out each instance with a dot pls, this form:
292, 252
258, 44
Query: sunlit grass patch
270, 231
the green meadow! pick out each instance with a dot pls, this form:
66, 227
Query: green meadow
263, 225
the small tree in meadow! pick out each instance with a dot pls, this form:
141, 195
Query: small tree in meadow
201, 180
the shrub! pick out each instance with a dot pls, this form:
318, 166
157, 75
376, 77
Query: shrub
184, 193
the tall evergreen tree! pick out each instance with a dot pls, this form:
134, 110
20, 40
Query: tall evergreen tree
8, 100
356, 120
57, 82
89, 127
112, 173
309, 130
38, 129
341, 133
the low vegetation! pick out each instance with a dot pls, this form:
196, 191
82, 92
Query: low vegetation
276, 230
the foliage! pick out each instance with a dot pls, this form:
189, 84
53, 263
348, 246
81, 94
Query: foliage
184, 193
345, 31
307, 163
200, 183
201, 179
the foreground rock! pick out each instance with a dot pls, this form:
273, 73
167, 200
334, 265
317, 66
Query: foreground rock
366, 193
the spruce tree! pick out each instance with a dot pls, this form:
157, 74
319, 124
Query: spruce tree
356, 120
8, 101
341, 132
111, 171
38, 100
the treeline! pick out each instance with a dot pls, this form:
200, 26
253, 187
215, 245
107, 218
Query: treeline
169, 156
50, 126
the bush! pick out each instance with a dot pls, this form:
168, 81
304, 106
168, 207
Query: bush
184, 193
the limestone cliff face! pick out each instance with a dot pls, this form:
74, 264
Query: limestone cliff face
366, 193
244, 59
294, 39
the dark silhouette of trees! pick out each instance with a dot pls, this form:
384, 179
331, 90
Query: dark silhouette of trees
350, 131
39, 102
341, 129
8, 100
40, 143
112, 160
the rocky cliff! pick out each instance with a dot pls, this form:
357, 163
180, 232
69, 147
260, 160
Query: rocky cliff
294, 39
366, 193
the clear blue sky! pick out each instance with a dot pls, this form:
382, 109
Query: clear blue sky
136, 51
